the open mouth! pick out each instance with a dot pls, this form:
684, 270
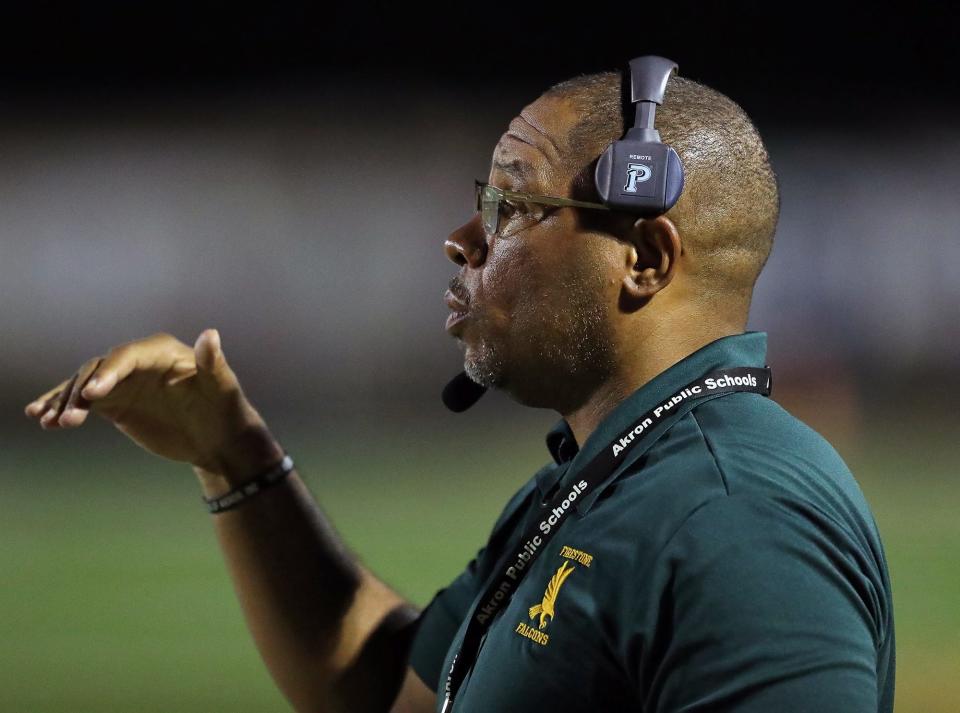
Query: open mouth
458, 309
455, 318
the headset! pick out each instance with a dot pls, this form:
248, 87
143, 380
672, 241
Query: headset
637, 173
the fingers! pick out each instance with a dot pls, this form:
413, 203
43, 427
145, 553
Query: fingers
49, 419
68, 404
39, 405
211, 363
76, 408
206, 350
117, 365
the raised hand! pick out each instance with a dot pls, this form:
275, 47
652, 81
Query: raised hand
178, 402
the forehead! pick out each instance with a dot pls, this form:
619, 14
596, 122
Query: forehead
531, 150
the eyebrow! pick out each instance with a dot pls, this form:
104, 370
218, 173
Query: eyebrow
516, 167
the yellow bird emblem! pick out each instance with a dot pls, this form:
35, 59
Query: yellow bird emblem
545, 608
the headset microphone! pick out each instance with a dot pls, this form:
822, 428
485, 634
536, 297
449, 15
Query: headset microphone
462, 392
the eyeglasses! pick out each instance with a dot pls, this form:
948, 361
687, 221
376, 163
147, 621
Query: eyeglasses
489, 200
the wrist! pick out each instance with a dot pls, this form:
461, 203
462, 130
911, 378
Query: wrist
250, 489
245, 456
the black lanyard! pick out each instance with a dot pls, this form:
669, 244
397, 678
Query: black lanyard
514, 565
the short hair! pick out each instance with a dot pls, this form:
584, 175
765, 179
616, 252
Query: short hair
728, 211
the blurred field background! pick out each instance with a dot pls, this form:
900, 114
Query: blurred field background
271, 176
115, 598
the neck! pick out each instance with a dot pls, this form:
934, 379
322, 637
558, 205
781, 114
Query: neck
638, 366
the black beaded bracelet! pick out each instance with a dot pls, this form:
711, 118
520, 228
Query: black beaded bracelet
253, 486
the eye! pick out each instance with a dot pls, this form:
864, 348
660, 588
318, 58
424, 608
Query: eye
509, 208
519, 207
519, 215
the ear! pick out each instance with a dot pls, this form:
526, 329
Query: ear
651, 259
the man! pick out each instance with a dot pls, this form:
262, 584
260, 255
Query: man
729, 562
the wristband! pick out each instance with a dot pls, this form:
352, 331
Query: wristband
247, 490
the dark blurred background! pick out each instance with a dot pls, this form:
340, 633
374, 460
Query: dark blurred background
288, 173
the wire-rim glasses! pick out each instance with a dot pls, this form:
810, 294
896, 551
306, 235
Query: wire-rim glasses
489, 198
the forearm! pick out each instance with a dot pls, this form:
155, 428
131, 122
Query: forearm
331, 634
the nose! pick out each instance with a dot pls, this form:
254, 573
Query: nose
467, 245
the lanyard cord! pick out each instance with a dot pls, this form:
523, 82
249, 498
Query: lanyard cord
513, 566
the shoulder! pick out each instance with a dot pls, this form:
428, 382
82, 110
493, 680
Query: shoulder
752, 429
759, 449
738, 475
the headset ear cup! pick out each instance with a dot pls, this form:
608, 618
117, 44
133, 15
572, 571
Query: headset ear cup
674, 180
630, 176
602, 173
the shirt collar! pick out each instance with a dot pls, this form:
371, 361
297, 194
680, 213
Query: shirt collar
563, 447
746, 349
561, 442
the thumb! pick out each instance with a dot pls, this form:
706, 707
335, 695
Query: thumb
211, 363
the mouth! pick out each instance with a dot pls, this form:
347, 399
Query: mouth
458, 310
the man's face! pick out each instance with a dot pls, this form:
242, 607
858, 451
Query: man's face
538, 294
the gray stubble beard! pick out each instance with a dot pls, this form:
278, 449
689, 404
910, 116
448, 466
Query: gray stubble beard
485, 365
583, 347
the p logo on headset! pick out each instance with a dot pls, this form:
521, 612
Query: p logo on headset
639, 173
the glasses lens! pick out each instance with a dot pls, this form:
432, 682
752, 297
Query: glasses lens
490, 209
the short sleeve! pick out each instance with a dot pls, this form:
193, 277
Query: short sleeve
766, 608
439, 621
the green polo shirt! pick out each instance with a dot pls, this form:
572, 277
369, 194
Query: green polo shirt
730, 563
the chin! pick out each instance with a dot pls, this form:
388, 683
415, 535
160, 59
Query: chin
496, 374
484, 366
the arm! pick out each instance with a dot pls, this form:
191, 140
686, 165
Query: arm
333, 636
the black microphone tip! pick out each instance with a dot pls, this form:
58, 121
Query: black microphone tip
462, 392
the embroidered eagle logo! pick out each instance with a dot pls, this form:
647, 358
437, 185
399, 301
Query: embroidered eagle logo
545, 608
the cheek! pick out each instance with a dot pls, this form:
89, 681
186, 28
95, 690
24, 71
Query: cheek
511, 276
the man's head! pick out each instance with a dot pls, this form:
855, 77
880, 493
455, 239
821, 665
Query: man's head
563, 299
